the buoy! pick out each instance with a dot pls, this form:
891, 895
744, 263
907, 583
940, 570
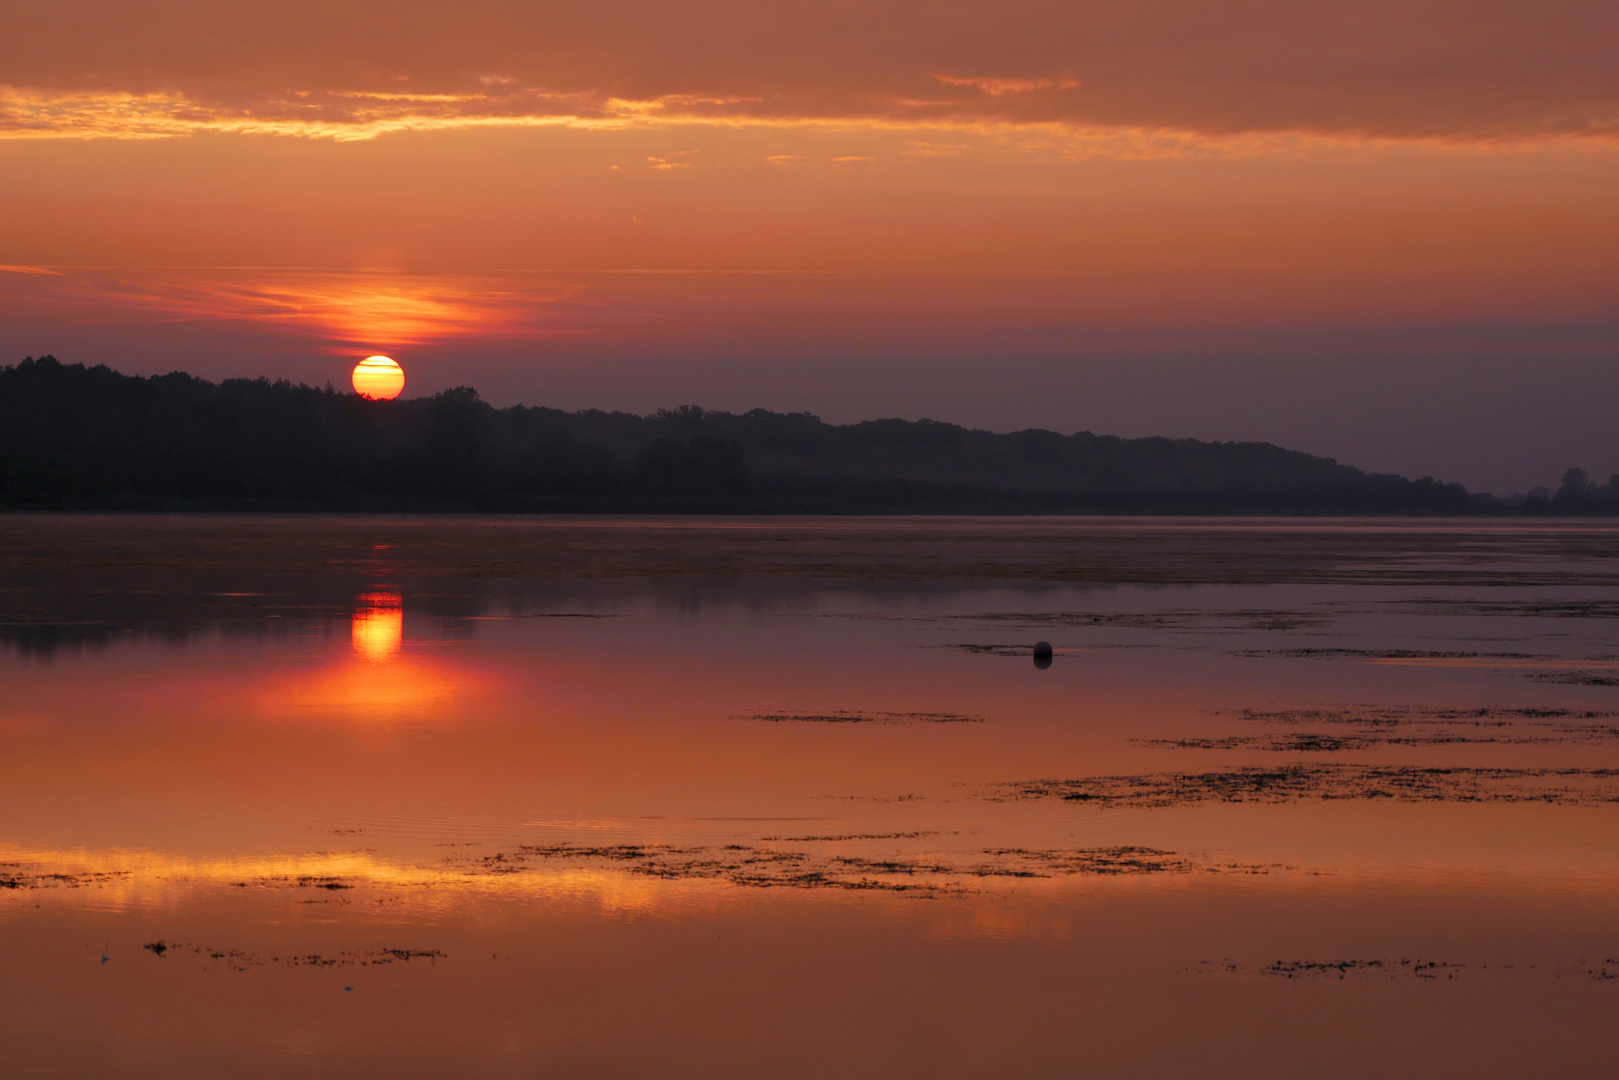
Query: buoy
1042, 648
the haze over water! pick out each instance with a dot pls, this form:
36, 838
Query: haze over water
505, 797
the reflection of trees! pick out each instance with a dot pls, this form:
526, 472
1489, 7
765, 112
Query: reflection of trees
40, 620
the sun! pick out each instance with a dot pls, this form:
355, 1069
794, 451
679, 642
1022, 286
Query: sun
378, 378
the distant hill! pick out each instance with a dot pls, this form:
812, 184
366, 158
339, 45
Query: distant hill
76, 437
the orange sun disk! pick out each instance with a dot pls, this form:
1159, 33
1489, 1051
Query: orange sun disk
378, 378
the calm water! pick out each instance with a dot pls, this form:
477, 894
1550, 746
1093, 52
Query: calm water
523, 798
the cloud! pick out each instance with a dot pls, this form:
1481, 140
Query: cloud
344, 115
363, 308
342, 69
997, 87
350, 117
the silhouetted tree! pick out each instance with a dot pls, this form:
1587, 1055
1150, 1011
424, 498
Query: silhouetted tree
1575, 495
80, 437
699, 466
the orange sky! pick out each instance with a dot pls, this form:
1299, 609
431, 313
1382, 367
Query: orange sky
1383, 231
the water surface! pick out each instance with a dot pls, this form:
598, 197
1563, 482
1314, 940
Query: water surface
505, 797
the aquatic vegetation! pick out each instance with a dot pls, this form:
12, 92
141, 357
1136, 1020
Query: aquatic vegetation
1295, 783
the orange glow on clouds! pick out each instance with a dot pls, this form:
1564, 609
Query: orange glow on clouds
518, 196
1406, 68
339, 309
380, 379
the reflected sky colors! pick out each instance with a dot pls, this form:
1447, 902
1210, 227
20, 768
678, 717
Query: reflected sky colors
812, 825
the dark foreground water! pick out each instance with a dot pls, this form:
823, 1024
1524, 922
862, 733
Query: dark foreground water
501, 797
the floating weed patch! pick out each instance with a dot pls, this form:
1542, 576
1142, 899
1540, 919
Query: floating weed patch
324, 882
1391, 654
1342, 969
1416, 969
1391, 716
20, 879
1368, 727
930, 873
1325, 782
309, 881
1402, 969
979, 649
1543, 609
1576, 678
359, 958
1183, 620
1307, 742
243, 959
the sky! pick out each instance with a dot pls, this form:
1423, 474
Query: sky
1387, 231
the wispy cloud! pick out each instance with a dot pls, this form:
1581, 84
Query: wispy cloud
361, 308
362, 117
337, 115
997, 87
1386, 69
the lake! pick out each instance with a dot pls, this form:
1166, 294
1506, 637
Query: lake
382, 796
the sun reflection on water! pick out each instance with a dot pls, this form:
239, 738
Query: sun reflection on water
122, 878
377, 678
378, 626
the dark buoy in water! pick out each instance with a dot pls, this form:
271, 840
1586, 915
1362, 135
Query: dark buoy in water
1042, 654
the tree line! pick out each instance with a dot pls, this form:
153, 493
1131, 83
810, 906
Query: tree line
78, 437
